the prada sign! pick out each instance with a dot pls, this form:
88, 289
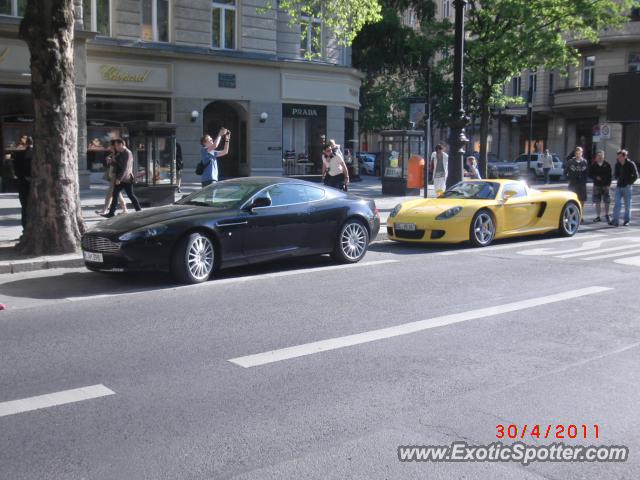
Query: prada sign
290, 110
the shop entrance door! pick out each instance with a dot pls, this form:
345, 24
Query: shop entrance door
227, 114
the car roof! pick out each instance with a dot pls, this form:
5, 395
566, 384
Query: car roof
269, 180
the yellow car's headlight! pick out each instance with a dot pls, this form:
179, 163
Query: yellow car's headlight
447, 214
396, 210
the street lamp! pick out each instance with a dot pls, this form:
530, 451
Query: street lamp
459, 118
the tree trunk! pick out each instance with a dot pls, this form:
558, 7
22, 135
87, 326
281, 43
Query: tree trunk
484, 130
54, 217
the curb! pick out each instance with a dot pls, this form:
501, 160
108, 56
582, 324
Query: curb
41, 263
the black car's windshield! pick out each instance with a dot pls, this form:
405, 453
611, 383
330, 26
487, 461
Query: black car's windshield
223, 195
473, 190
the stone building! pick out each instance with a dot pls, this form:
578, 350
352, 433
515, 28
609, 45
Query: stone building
199, 64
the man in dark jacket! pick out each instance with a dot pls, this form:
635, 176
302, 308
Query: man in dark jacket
600, 171
626, 173
577, 171
124, 177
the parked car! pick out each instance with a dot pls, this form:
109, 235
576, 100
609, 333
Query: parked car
479, 211
368, 163
530, 166
232, 223
497, 168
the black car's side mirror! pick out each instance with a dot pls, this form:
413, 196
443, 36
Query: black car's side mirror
260, 202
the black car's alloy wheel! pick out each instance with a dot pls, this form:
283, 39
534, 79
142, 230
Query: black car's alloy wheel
193, 259
352, 242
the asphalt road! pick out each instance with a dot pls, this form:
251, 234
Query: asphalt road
430, 346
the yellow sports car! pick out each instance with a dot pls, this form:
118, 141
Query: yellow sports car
480, 211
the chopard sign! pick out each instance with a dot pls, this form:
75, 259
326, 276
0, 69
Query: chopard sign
113, 73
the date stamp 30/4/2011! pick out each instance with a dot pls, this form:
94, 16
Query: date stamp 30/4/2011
554, 431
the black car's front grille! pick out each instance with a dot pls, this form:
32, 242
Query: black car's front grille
99, 244
410, 234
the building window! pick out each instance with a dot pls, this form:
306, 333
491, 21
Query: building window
14, 8
588, 71
95, 16
533, 81
635, 14
552, 84
634, 62
516, 86
223, 24
311, 36
155, 20
446, 8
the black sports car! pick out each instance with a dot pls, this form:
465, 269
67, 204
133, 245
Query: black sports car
235, 222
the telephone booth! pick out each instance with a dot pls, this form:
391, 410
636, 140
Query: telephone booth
153, 145
402, 161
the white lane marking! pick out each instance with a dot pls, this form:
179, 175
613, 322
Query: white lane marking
404, 329
54, 399
518, 245
635, 261
585, 248
609, 255
600, 250
248, 278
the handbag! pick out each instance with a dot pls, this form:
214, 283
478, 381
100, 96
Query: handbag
199, 168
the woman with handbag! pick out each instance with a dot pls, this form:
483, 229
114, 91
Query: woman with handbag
334, 171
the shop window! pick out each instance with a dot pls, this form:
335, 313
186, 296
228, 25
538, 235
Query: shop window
96, 16
634, 62
14, 8
155, 20
223, 24
311, 36
588, 71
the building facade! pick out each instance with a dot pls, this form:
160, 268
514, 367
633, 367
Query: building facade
201, 65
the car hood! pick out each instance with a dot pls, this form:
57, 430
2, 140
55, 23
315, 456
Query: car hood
151, 216
435, 206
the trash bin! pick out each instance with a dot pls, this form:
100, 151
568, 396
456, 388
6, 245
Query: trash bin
415, 175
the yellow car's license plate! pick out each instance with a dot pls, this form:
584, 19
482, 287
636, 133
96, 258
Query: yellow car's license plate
411, 227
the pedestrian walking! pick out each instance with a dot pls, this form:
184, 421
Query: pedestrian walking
472, 171
577, 171
110, 177
22, 169
547, 165
439, 164
208, 165
334, 170
124, 177
179, 166
626, 174
600, 172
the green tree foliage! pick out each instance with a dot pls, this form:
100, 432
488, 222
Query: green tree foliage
506, 37
395, 59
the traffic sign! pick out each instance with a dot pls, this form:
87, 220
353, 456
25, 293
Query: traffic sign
605, 131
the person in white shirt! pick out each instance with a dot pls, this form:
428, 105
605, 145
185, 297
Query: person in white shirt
334, 171
440, 166
547, 164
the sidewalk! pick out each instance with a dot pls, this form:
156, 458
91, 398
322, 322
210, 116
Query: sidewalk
93, 199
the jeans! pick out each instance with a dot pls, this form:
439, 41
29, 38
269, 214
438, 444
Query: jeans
206, 183
546, 174
127, 187
622, 193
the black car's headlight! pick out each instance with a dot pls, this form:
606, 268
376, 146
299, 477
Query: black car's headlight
447, 214
146, 232
396, 210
